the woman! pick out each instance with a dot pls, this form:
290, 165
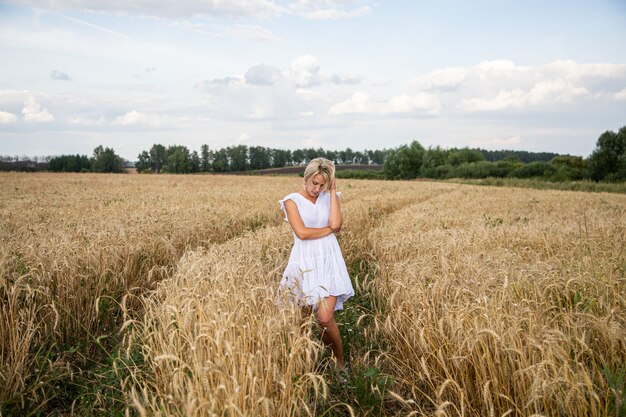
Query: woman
316, 274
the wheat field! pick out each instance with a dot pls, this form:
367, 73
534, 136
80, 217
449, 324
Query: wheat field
157, 295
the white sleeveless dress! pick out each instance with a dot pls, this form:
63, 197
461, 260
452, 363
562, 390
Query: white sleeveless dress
316, 268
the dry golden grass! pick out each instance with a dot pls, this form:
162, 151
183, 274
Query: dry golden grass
504, 302
488, 301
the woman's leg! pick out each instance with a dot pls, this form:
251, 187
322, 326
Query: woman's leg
330, 331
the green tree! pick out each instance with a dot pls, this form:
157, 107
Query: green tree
144, 162
570, 168
457, 157
194, 162
404, 162
177, 160
298, 156
237, 157
433, 158
158, 154
260, 157
220, 161
106, 160
608, 160
280, 158
205, 158
70, 163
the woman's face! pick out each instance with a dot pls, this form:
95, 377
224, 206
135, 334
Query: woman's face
314, 185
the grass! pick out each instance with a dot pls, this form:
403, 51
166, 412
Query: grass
587, 186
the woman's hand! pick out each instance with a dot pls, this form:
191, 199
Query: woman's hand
333, 185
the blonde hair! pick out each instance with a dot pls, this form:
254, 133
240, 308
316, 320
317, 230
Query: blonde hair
323, 167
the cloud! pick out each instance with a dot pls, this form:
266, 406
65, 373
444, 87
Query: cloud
207, 85
33, 113
242, 138
328, 9
444, 78
251, 33
254, 33
362, 103
543, 92
136, 118
501, 85
333, 14
304, 71
82, 121
345, 79
620, 95
167, 9
58, 75
262, 75
7, 118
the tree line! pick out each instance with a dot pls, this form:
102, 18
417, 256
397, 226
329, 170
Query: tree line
180, 160
103, 160
606, 163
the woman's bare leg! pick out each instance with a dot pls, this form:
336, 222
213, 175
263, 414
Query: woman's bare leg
330, 331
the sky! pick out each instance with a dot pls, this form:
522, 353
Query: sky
534, 75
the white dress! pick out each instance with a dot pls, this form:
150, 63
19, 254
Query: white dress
316, 268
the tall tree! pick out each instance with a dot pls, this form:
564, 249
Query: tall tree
404, 162
220, 161
205, 158
298, 156
608, 160
177, 160
194, 162
144, 162
106, 160
259, 157
238, 157
158, 153
280, 158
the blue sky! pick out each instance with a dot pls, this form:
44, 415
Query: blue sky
498, 74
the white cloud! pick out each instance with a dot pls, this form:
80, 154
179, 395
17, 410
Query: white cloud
304, 71
136, 118
7, 118
251, 33
167, 9
620, 95
333, 14
58, 75
362, 103
33, 112
441, 79
501, 85
82, 121
544, 92
262, 75
345, 79
328, 9
243, 137
307, 113
308, 95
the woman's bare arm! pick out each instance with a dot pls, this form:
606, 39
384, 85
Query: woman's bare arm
296, 223
335, 220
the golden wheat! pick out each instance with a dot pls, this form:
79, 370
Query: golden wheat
489, 301
504, 303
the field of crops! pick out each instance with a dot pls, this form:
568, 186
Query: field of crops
157, 295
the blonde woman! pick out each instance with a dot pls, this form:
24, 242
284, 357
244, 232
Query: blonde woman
316, 274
